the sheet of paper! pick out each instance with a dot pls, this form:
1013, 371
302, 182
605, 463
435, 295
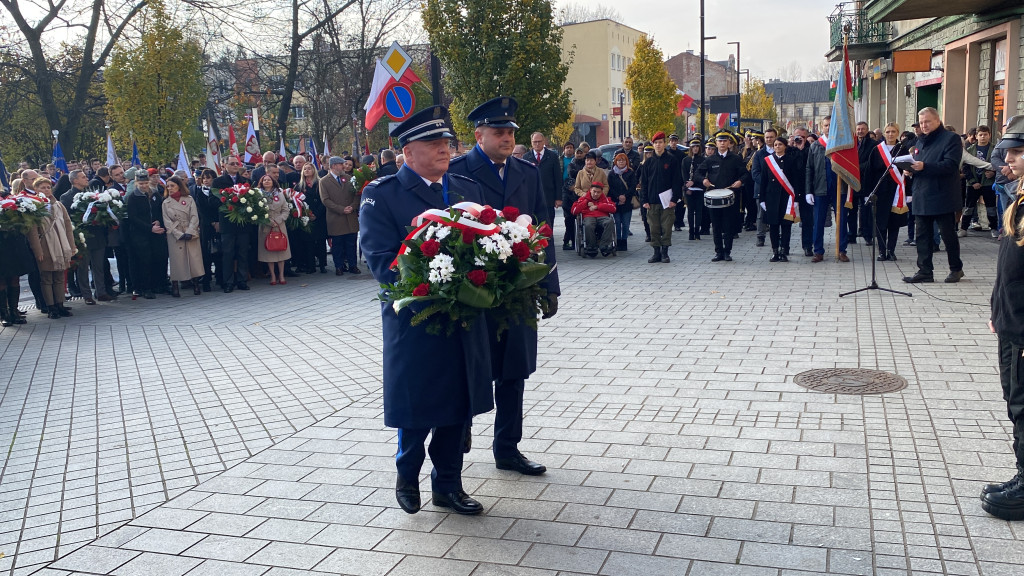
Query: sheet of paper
904, 159
666, 197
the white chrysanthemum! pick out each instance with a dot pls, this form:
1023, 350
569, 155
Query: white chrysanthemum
242, 200
514, 232
255, 217
74, 205
442, 232
22, 209
263, 203
429, 232
104, 197
248, 209
478, 261
117, 203
442, 266
496, 244
305, 220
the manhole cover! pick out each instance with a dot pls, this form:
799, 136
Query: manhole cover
850, 381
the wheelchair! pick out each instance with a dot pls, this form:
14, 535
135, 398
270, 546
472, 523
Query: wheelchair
581, 238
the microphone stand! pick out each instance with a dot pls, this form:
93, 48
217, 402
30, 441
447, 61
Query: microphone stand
873, 200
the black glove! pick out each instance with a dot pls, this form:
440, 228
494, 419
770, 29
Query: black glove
186, 237
552, 306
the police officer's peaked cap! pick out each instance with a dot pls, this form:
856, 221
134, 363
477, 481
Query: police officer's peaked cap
695, 142
427, 124
497, 112
726, 135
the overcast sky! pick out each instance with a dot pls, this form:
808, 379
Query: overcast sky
772, 33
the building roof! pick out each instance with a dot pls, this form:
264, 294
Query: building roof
798, 92
607, 20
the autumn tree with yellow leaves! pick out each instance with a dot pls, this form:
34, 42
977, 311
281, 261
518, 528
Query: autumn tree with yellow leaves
154, 89
654, 92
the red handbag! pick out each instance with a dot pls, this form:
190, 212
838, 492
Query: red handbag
276, 241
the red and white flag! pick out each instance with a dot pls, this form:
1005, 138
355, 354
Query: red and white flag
212, 149
252, 145
232, 142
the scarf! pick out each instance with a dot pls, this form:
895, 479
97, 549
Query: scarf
619, 171
176, 196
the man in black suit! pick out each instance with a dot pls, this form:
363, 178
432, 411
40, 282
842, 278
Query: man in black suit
865, 147
550, 166
507, 181
234, 239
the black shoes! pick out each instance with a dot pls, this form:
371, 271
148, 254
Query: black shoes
808, 252
760, 242
229, 289
954, 277
408, 495
783, 257
521, 464
664, 255
882, 257
53, 314
459, 502
918, 278
718, 257
243, 286
1006, 504
656, 257
567, 246
775, 257
354, 270
991, 488
728, 257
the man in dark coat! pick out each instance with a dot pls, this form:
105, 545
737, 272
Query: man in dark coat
145, 235
865, 148
936, 177
508, 181
631, 154
550, 166
431, 382
388, 166
234, 238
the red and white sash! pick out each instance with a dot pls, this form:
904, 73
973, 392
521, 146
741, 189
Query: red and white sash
773, 165
899, 202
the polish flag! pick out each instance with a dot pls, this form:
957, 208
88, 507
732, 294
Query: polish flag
382, 81
685, 101
723, 120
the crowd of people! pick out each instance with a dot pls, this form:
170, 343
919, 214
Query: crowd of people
172, 231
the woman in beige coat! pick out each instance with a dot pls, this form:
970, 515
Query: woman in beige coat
278, 208
184, 250
53, 244
590, 174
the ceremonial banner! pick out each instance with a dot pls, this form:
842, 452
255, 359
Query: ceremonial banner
842, 140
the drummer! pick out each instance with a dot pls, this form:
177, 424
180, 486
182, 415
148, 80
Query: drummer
723, 170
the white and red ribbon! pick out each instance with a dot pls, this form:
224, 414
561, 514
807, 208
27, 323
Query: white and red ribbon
773, 165
444, 217
899, 202
298, 198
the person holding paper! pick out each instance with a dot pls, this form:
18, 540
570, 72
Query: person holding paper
661, 184
891, 197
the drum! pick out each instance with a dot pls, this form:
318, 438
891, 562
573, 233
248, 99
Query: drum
719, 198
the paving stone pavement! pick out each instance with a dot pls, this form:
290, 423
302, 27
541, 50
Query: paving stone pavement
242, 433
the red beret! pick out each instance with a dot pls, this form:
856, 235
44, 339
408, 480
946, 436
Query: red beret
596, 185
658, 136
151, 171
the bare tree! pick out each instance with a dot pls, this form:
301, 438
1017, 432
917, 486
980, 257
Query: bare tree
574, 13
825, 71
792, 72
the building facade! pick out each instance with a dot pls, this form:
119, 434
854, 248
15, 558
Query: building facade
800, 104
971, 56
719, 76
600, 51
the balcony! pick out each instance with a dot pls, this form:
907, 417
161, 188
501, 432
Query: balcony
868, 39
892, 10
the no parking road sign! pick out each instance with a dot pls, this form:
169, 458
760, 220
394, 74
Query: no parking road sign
399, 102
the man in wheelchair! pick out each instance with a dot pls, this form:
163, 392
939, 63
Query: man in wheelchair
596, 208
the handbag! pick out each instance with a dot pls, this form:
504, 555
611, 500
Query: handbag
635, 201
276, 241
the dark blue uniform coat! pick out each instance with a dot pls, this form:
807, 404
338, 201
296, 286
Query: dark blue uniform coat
429, 381
515, 355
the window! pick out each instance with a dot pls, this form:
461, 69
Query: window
298, 112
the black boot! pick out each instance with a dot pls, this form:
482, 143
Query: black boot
174, 289
12, 306
1007, 504
195, 287
53, 313
991, 488
664, 255
5, 316
656, 257
775, 256
63, 310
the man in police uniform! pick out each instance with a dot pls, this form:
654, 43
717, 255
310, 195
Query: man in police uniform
723, 170
508, 181
431, 382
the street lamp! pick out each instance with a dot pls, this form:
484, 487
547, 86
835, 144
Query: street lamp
702, 39
738, 92
622, 115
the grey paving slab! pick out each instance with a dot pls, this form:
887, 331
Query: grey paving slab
686, 449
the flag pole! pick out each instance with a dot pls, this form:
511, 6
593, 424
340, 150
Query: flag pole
839, 181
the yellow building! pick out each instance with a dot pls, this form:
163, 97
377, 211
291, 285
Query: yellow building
600, 50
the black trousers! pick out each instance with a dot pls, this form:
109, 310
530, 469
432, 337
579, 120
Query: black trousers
852, 217
148, 263
445, 453
723, 220
680, 220
1011, 376
568, 219
508, 417
695, 214
234, 250
887, 226
924, 227
780, 234
989, 195
867, 222
318, 240
749, 206
206, 238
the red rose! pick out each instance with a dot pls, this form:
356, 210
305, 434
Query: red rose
510, 212
223, 199
468, 235
477, 277
545, 231
421, 290
230, 208
521, 251
487, 216
430, 248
